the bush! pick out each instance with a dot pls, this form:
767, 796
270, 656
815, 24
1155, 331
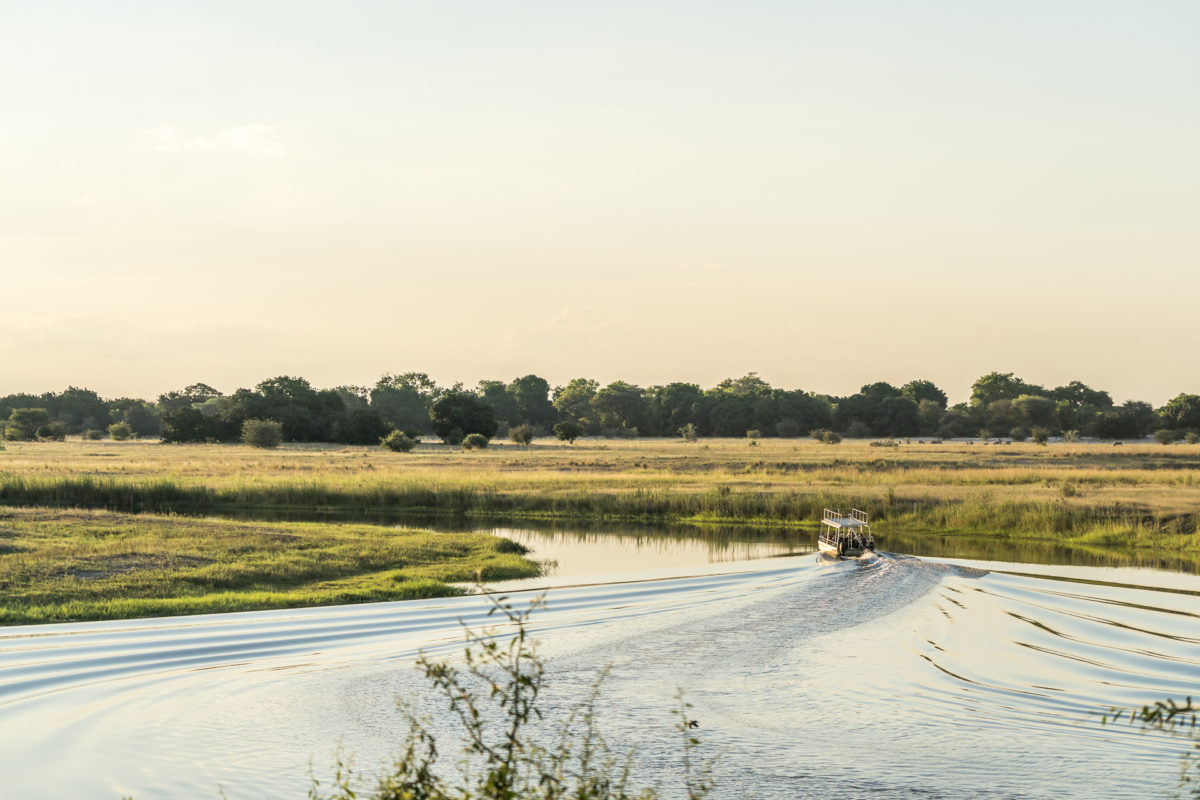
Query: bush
826, 436
1041, 435
1165, 436
1192, 437
398, 442
475, 441
1018, 434
262, 433
495, 699
23, 424
119, 431
93, 434
567, 431
1071, 436
521, 434
688, 432
53, 431
754, 433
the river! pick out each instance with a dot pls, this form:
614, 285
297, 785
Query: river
892, 676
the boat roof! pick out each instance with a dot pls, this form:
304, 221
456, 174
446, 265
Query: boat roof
844, 522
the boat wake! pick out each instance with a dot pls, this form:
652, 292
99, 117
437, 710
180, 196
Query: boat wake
882, 676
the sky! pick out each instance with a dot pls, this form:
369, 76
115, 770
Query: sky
827, 193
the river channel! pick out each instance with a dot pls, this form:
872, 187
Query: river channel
930, 670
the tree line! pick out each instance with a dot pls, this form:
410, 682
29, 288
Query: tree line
1000, 405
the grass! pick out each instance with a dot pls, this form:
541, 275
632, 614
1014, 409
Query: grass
124, 558
58, 565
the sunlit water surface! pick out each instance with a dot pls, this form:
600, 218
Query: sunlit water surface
889, 676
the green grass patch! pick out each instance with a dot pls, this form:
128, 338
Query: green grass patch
59, 565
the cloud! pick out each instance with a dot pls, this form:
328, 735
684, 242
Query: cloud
257, 140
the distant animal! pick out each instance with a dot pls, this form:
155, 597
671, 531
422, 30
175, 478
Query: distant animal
1117, 444
693, 723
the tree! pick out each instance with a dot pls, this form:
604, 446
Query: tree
567, 431
187, 424
266, 433
1079, 394
620, 406
305, 414
404, 401
574, 401
531, 396
1182, 412
187, 397
497, 395
360, 426
1000, 386
1034, 410
457, 414
23, 424
921, 390
672, 406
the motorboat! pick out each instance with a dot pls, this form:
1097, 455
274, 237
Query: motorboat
845, 534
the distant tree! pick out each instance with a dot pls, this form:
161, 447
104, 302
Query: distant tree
353, 397
23, 424
688, 432
360, 426
1182, 412
531, 396
858, 430
497, 395
457, 414
78, 409
619, 406
120, 431
266, 433
1041, 435
522, 434
921, 390
567, 431
93, 435
929, 416
398, 442
404, 401
1166, 436
187, 424
574, 402
1034, 410
1018, 434
187, 397
1079, 394
788, 428
672, 406
305, 414
897, 416
1000, 386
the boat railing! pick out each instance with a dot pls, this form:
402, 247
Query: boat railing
861, 516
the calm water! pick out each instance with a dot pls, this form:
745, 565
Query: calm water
891, 676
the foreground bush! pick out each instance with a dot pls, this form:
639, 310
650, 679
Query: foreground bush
494, 697
262, 433
475, 441
398, 442
120, 431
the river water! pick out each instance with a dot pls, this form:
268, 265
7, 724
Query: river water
892, 676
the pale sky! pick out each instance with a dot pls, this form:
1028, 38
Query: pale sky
827, 193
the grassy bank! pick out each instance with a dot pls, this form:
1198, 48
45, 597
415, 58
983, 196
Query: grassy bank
1134, 496
58, 565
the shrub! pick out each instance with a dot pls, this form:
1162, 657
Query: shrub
521, 434
262, 433
398, 442
119, 431
23, 423
985, 434
1071, 436
53, 431
1165, 436
1192, 437
1041, 435
1018, 434
688, 432
754, 433
93, 434
475, 441
567, 431
826, 436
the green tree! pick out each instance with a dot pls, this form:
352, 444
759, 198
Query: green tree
1034, 410
404, 401
497, 395
1182, 412
23, 424
921, 390
531, 396
1000, 386
574, 402
457, 414
620, 406
567, 431
187, 397
398, 442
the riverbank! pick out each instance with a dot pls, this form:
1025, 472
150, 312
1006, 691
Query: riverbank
58, 565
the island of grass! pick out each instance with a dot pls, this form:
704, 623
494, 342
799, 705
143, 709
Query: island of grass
67, 564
